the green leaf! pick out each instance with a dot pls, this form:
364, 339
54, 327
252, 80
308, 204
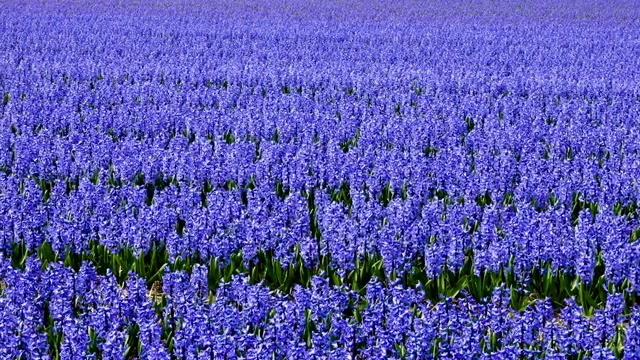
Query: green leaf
462, 283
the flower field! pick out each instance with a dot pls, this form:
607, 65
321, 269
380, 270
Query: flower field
319, 180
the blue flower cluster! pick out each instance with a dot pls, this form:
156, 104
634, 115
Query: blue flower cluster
91, 314
237, 180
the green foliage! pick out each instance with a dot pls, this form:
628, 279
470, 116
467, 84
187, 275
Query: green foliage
229, 137
350, 143
542, 282
386, 195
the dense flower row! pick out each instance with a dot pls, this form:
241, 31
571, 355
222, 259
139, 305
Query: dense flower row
80, 315
433, 236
